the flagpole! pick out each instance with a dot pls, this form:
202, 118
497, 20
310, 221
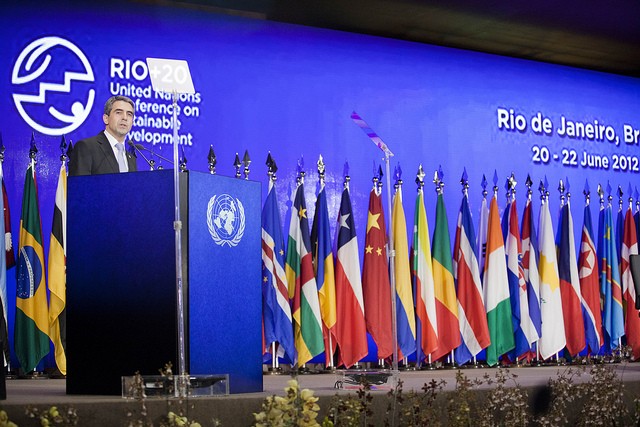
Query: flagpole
391, 254
392, 274
274, 358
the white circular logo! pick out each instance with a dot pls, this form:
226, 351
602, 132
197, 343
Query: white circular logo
225, 219
51, 100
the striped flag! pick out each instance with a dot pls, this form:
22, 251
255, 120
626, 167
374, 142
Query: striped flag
482, 235
472, 318
496, 290
278, 323
553, 338
530, 268
610, 288
570, 284
636, 216
589, 287
619, 232
4, 332
302, 284
31, 331
325, 274
351, 330
445, 288
376, 286
8, 237
632, 321
424, 291
405, 314
525, 333
57, 273
600, 252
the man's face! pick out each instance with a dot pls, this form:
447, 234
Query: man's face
120, 120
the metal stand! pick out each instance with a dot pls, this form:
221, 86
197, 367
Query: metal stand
183, 381
392, 254
173, 76
392, 275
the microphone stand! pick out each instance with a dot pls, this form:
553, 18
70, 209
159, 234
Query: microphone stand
136, 147
153, 153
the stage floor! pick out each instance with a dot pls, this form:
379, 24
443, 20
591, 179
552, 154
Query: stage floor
237, 409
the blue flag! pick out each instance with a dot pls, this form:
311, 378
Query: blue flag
278, 326
589, 277
610, 285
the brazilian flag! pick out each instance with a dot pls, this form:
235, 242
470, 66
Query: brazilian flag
31, 338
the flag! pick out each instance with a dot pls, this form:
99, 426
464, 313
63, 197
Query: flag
445, 289
496, 290
4, 332
632, 321
472, 318
610, 289
351, 330
552, 340
530, 268
570, 284
325, 275
636, 217
619, 233
424, 290
525, 333
31, 331
302, 284
8, 237
376, 287
589, 287
57, 273
482, 235
278, 323
405, 314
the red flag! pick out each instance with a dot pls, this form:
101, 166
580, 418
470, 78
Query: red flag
376, 286
570, 285
590, 287
632, 321
351, 331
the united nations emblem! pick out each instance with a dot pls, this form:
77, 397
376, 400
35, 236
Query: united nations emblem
225, 218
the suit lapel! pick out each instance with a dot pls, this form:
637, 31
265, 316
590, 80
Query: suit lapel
108, 152
131, 162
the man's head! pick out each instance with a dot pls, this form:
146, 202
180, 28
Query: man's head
118, 116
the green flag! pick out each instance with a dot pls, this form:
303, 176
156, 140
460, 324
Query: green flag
32, 318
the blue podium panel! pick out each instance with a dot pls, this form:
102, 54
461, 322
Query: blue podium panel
224, 279
121, 293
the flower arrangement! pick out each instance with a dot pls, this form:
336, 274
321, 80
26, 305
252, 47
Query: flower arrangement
53, 416
175, 420
4, 420
297, 408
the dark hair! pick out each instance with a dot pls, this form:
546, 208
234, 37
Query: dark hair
108, 106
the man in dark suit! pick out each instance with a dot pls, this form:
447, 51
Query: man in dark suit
106, 152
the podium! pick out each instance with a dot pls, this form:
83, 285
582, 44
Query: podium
121, 279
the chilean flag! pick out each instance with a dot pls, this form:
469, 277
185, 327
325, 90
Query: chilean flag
351, 330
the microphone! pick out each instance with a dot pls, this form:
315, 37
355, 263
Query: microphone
136, 147
139, 147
